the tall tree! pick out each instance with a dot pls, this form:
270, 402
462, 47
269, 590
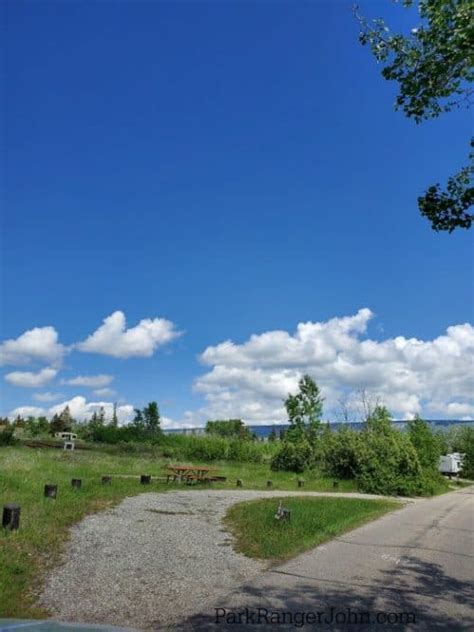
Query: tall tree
304, 410
58, 424
426, 443
66, 418
114, 421
151, 418
433, 66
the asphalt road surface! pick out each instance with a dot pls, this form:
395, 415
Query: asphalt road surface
412, 569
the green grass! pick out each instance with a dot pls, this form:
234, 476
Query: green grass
313, 521
26, 554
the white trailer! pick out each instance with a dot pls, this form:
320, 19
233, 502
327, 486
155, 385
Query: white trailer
450, 463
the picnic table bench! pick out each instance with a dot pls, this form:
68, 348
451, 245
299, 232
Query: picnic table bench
192, 473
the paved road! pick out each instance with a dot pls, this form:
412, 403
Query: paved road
416, 562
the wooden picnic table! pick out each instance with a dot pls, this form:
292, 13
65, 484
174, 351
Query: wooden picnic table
191, 472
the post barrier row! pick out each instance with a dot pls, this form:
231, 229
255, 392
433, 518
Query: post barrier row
12, 511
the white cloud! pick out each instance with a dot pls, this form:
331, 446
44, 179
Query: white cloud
38, 344
112, 338
251, 380
82, 409
47, 397
27, 411
104, 392
93, 381
29, 379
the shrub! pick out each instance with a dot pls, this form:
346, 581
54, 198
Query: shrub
425, 442
388, 464
467, 448
341, 453
293, 457
7, 436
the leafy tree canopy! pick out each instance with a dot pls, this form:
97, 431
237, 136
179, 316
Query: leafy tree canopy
304, 410
434, 67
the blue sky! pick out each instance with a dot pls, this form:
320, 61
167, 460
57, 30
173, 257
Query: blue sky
234, 168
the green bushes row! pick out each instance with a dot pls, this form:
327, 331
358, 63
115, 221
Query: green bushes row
215, 448
382, 459
189, 448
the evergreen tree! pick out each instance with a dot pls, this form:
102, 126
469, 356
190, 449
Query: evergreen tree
66, 419
56, 425
19, 422
114, 421
151, 419
101, 416
138, 419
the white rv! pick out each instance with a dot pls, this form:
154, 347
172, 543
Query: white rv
450, 463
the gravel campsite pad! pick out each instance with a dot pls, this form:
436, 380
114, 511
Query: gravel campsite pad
152, 560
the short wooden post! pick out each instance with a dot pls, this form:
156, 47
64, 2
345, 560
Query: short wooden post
106, 480
269, 483
240, 482
300, 482
76, 483
11, 516
335, 484
50, 491
145, 479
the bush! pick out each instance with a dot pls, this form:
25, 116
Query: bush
467, 448
7, 436
293, 457
388, 464
341, 453
426, 444
382, 459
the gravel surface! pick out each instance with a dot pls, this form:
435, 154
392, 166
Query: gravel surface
152, 560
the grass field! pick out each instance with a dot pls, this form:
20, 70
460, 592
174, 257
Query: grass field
313, 521
26, 554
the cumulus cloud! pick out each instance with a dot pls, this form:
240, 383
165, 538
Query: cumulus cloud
47, 397
104, 392
30, 379
27, 411
93, 381
80, 409
251, 380
38, 344
112, 338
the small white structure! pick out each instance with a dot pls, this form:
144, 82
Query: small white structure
69, 445
450, 463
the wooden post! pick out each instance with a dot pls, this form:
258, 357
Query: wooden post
335, 484
11, 516
50, 491
240, 482
76, 483
269, 483
300, 482
145, 479
106, 480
